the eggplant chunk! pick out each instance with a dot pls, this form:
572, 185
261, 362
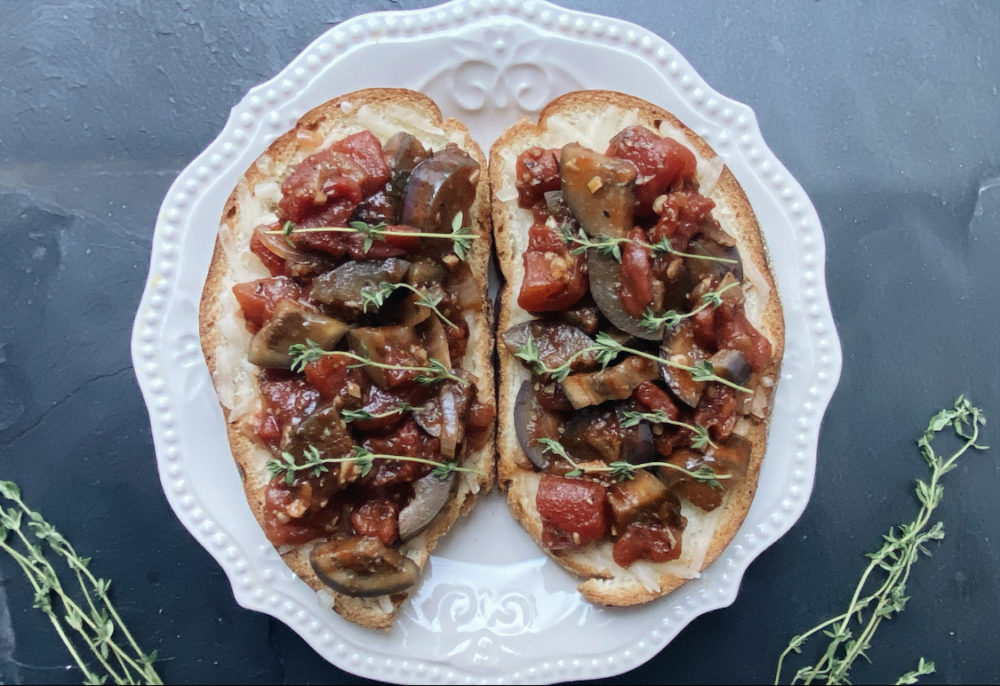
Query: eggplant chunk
556, 342
324, 431
679, 346
731, 365
637, 441
439, 188
629, 498
292, 323
613, 383
429, 495
605, 283
593, 435
444, 416
531, 422
342, 286
598, 189
362, 567
710, 268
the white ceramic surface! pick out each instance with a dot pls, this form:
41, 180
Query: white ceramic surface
491, 607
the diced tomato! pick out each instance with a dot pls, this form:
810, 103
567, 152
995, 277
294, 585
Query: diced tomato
332, 376
541, 238
259, 298
322, 181
274, 263
365, 150
378, 401
283, 529
457, 337
653, 398
407, 439
554, 279
287, 401
480, 415
681, 217
662, 163
378, 517
573, 511
717, 411
735, 332
703, 328
636, 291
646, 541
536, 172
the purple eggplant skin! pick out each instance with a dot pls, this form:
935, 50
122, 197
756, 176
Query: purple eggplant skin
439, 188
430, 494
637, 441
605, 283
341, 287
362, 567
732, 366
527, 415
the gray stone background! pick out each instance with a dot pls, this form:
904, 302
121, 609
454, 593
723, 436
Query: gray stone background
888, 114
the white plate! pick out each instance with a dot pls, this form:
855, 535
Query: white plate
490, 607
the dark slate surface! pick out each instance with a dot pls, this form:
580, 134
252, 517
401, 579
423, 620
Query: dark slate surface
888, 115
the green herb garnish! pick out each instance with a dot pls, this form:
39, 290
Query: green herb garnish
624, 471
852, 631
96, 623
317, 465
461, 236
375, 296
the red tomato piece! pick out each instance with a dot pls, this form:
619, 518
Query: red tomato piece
735, 332
681, 217
536, 172
378, 517
636, 291
288, 400
662, 163
573, 511
366, 151
281, 528
646, 541
259, 298
653, 398
718, 411
553, 278
322, 180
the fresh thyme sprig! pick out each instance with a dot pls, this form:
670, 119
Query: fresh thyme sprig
624, 471
608, 245
606, 349
349, 416
310, 351
895, 559
461, 236
699, 440
376, 296
317, 465
671, 318
95, 621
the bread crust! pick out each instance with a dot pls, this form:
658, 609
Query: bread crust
224, 337
591, 118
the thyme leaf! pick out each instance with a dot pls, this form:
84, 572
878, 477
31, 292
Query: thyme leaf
874, 601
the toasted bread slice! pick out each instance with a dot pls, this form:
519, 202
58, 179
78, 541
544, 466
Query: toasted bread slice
225, 338
592, 118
